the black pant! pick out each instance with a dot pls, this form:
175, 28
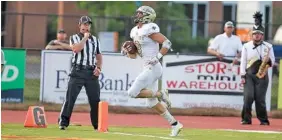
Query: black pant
255, 90
81, 77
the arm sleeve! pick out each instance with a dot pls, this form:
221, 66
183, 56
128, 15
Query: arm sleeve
243, 61
73, 40
98, 49
240, 46
51, 42
271, 56
152, 28
215, 43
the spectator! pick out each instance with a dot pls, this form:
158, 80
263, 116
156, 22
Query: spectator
226, 44
60, 43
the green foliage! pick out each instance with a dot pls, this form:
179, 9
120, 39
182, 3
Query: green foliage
51, 28
181, 30
108, 8
114, 15
170, 17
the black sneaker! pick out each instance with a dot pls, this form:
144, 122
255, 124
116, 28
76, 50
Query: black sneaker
62, 127
246, 122
265, 123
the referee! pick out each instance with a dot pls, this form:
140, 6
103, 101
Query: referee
85, 72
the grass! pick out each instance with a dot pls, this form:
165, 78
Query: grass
32, 92
274, 92
136, 133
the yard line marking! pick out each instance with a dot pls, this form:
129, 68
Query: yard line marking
12, 137
149, 136
253, 131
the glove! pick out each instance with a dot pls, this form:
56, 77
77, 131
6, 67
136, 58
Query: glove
156, 59
123, 52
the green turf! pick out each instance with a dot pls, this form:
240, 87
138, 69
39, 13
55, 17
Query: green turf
32, 91
87, 132
274, 93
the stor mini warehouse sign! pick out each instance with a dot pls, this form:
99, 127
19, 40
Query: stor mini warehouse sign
203, 81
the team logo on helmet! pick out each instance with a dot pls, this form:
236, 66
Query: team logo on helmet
148, 15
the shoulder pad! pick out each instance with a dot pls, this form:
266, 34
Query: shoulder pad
151, 28
132, 32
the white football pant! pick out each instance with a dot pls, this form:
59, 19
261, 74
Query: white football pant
147, 79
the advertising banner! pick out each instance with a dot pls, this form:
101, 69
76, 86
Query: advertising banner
12, 80
203, 81
118, 74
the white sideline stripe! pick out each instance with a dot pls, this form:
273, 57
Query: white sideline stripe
149, 136
253, 131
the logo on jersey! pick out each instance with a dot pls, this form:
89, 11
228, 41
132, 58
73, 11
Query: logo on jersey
138, 46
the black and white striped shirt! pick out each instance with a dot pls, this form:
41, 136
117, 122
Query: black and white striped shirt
87, 55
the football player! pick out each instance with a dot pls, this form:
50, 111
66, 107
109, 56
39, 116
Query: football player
147, 37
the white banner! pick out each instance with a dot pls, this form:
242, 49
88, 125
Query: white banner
118, 74
202, 81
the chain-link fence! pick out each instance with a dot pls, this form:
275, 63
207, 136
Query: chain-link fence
34, 31
32, 75
25, 30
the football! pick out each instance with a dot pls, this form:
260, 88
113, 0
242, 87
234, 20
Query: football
130, 47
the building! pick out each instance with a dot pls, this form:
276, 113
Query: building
31, 31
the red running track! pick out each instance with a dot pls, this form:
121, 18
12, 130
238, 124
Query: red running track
142, 120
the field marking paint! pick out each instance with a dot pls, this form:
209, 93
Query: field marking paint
252, 131
140, 135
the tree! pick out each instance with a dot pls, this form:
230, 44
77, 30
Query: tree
116, 16
110, 16
173, 23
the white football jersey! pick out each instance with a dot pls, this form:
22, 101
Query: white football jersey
147, 48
